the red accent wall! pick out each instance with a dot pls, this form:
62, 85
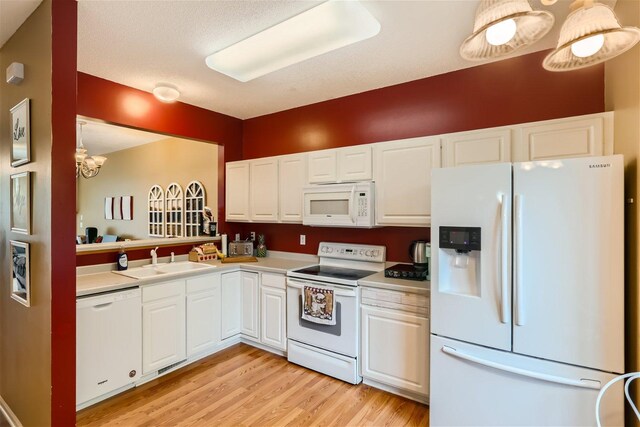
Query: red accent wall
123, 105
63, 249
512, 91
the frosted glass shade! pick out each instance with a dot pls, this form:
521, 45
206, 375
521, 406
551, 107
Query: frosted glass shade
583, 24
531, 26
329, 26
166, 93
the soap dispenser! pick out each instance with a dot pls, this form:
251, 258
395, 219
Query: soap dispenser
123, 260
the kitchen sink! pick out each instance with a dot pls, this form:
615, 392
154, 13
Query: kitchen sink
140, 272
179, 267
147, 271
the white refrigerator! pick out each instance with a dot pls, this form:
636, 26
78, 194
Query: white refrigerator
527, 293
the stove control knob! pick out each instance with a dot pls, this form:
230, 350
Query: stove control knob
368, 253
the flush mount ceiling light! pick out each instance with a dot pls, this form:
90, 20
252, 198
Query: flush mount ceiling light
166, 93
590, 35
503, 26
329, 26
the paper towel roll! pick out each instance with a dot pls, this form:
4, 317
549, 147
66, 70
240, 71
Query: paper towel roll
224, 244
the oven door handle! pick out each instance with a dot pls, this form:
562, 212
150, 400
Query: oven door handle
344, 291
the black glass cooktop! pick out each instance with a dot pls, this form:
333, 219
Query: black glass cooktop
335, 272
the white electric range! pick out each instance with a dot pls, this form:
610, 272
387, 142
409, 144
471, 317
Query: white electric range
331, 349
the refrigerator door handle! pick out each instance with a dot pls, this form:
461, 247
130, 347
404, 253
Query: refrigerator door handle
582, 382
517, 261
504, 259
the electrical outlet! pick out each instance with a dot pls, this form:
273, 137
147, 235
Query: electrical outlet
303, 239
253, 236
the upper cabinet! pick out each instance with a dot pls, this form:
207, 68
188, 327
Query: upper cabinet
476, 147
270, 189
581, 136
402, 175
354, 163
323, 166
340, 165
263, 191
237, 191
292, 178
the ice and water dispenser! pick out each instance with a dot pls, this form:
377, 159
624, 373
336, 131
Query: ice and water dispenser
459, 260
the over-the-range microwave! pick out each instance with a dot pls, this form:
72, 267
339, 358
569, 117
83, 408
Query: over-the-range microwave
339, 205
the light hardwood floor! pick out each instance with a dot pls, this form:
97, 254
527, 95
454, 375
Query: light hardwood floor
245, 386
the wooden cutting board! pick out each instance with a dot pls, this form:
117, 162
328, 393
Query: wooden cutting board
239, 259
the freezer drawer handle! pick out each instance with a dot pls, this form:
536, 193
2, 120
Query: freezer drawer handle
583, 382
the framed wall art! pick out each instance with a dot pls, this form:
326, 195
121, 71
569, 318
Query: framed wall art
20, 134
21, 203
20, 280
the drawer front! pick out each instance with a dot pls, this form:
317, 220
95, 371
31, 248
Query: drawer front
202, 283
162, 290
396, 300
274, 280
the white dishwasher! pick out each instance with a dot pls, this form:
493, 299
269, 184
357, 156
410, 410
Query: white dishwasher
108, 343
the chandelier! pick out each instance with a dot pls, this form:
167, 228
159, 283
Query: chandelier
591, 34
87, 166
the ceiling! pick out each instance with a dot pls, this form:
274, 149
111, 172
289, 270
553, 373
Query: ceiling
142, 43
12, 14
102, 138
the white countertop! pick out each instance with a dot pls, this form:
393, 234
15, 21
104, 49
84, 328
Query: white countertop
91, 281
379, 281
88, 284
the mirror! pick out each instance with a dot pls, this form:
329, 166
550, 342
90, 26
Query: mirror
116, 201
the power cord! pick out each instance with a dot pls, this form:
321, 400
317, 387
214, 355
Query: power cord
630, 378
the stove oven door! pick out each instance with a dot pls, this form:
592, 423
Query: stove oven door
340, 338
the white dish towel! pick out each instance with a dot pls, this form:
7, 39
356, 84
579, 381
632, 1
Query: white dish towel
318, 305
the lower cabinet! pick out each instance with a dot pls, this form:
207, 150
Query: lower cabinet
250, 307
231, 288
203, 314
163, 325
395, 348
273, 311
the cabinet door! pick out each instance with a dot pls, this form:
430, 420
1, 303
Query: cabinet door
203, 314
237, 191
354, 163
563, 138
274, 315
476, 147
163, 331
395, 349
263, 192
292, 178
322, 166
231, 321
403, 180
250, 308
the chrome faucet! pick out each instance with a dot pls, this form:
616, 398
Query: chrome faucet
154, 256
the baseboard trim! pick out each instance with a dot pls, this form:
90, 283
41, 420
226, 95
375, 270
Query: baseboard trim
395, 390
261, 346
11, 418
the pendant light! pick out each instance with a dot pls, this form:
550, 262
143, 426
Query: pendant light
590, 35
504, 26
